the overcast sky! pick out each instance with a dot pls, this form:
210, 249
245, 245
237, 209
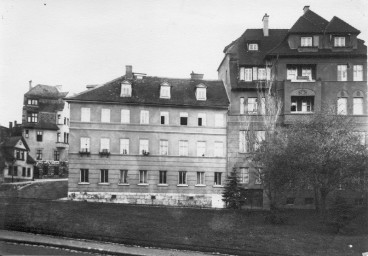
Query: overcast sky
75, 43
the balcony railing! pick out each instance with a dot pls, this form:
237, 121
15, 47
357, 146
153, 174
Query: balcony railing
104, 153
84, 152
62, 145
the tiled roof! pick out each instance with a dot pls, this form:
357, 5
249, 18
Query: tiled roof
46, 91
337, 25
147, 91
30, 160
310, 22
283, 49
266, 43
41, 125
12, 142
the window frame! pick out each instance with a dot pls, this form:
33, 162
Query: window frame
164, 116
358, 73
201, 148
244, 175
104, 176
201, 93
217, 179
105, 145
164, 147
165, 92
32, 117
345, 106
125, 116
39, 136
184, 118
360, 104
144, 116
124, 147
338, 42
143, 149
143, 177
253, 47
201, 179
307, 42
56, 155
39, 154
183, 148
105, 115
182, 178
342, 73
202, 119
123, 178
162, 177
88, 144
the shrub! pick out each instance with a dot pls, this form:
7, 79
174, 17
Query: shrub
340, 214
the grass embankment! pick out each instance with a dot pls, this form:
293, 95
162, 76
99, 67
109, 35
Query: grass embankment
226, 231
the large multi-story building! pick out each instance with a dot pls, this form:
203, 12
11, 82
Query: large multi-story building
149, 140
45, 122
313, 65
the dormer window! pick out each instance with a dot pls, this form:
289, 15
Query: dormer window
253, 47
165, 91
126, 89
201, 92
339, 41
32, 102
306, 41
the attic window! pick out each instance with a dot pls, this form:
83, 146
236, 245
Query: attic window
165, 91
32, 102
126, 89
253, 47
306, 41
201, 92
339, 41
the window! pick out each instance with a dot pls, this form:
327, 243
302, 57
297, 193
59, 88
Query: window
143, 177
243, 141
342, 106
84, 175
28, 172
201, 94
339, 41
302, 104
219, 149
85, 114
358, 73
306, 41
219, 120
26, 133
15, 170
183, 148
200, 178
357, 106
260, 136
32, 102
342, 73
262, 74
144, 117
66, 137
162, 177
104, 145
65, 120
60, 121
126, 89
164, 118
292, 74
253, 47
252, 105
183, 118
24, 170
218, 180
165, 91
290, 200
124, 146
39, 135
56, 155
258, 179
84, 144
315, 41
307, 72
58, 137
263, 106
201, 119
19, 154
32, 117
245, 74
241, 107
182, 179
39, 154
123, 177
125, 116
104, 176
143, 147
164, 147
201, 148
105, 115
244, 175
255, 73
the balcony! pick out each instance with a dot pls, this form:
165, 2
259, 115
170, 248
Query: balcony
104, 153
252, 85
62, 145
84, 152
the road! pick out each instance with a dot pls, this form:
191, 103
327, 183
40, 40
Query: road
23, 249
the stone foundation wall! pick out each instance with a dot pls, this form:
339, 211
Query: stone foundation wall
169, 199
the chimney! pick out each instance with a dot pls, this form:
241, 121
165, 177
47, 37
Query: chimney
306, 8
10, 125
195, 76
15, 124
128, 72
30, 84
59, 87
90, 86
265, 25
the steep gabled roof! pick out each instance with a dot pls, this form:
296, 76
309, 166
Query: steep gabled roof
309, 22
147, 92
266, 43
11, 142
337, 25
45, 91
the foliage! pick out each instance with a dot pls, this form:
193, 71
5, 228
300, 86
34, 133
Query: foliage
340, 214
276, 217
233, 193
320, 151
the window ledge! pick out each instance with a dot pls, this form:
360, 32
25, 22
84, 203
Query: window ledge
182, 185
123, 184
200, 185
103, 183
83, 183
142, 184
162, 185
218, 186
